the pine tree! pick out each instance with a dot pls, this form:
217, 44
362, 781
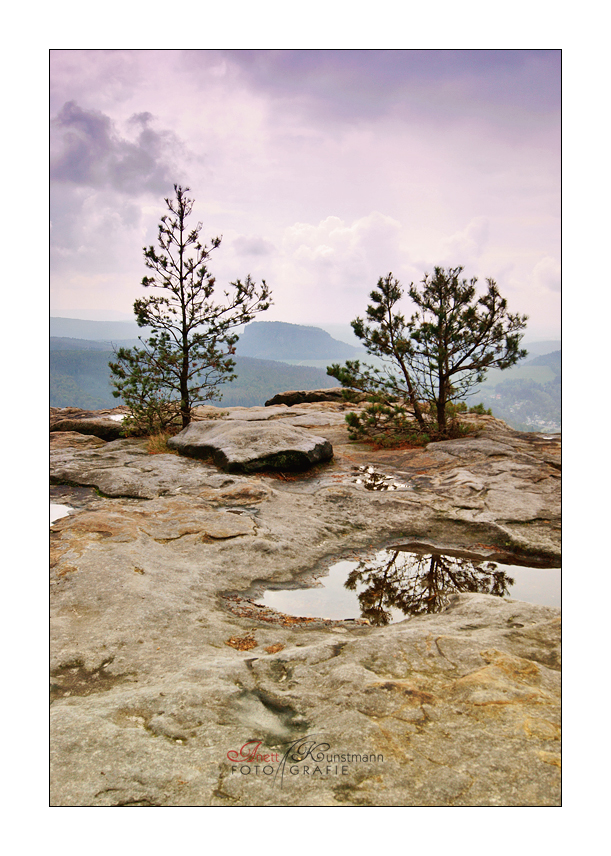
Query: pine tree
189, 354
433, 360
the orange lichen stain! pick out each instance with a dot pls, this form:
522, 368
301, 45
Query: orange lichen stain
515, 667
289, 620
542, 729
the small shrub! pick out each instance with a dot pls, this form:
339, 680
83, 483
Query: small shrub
480, 409
452, 409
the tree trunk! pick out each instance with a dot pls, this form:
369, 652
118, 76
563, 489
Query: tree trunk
441, 410
185, 404
414, 400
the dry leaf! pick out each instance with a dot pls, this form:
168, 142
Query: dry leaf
242, 643
273, 649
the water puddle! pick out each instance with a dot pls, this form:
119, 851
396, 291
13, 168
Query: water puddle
398, 583
117, 417
58, 511
372, 479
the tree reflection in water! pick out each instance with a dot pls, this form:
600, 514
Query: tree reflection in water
416, 583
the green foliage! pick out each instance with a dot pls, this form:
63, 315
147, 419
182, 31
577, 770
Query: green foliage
432, 360
140, 380
480, 409
189, 354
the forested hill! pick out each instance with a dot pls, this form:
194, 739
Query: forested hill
81, 378
527, 396
275, 340
553, 360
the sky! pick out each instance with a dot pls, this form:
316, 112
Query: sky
322, 170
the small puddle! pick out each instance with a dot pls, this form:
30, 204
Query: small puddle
371, 479
117, 417
58, 511
397, 583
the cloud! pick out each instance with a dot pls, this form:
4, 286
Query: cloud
466, 246
547, 274
352, 84
88, 151
323, 170
326, 269
252, 245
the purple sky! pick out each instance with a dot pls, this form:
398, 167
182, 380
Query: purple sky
323, 170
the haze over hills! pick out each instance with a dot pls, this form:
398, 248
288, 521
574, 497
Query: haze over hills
100, 331
274, 356
80, 376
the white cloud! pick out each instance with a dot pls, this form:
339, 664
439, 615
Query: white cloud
546, 274
327, 269
466, 246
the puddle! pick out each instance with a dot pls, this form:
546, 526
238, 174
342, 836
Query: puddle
396, 584
117, 417
57, 511
371, 479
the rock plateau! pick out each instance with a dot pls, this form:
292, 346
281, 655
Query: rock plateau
170, 687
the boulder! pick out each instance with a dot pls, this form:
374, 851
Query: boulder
74, 440
104, 424
105, 429
292, 397
246, 447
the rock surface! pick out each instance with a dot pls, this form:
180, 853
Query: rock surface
293, 397
96, 423
161, 673
241, 446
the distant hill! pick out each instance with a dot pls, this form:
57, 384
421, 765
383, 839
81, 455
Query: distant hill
81, 378
100, 331
275, 340
536, 349
553, 360
528, 395
63, 343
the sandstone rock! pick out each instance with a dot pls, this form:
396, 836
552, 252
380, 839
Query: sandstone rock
293, 397
56, 414
257, 414
458, 708
244, 447
106, 429
74, 440
166, 521
124, 468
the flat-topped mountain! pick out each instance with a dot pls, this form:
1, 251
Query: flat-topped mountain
276, 340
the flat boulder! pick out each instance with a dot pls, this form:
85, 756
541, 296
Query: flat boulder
293, 397
247, 447
104, 428
105, 424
